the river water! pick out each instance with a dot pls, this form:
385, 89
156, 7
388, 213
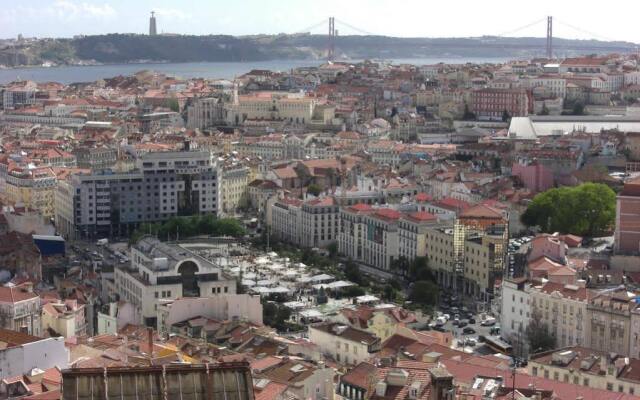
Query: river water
226, 70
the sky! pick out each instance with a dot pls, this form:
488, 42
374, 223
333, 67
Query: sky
576, 19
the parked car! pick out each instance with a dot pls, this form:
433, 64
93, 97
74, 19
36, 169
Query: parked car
472, 321
470, 342
462, 324
489, 321
468, 331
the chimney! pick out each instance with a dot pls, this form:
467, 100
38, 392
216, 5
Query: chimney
150, 341
603, 364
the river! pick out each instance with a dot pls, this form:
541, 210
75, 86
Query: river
226, 70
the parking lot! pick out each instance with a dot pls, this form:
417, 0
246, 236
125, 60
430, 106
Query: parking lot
465, 325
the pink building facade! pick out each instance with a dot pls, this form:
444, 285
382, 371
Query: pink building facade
535, 177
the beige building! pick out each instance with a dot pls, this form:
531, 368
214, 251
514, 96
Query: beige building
439, 243
66, 319
34, 188
609, 321
19, 308
585, 367
233, 186
481, 235
166, 271
271, 106
343, 343
563, 308
383, 323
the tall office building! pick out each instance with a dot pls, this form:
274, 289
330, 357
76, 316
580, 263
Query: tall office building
152, 24
164, 185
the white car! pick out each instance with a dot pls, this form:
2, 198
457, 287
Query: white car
489, 321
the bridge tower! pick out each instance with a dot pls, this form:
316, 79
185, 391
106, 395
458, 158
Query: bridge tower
331, 39
549, 37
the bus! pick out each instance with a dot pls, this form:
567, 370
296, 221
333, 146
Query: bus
497, 344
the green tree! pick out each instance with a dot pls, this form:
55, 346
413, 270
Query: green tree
578, 109
389, 292
424, 293
322, 297
173, 104
352, 291
314, 189
333, 249
352, 272
419, 270
468, 115
538, 335
585, 210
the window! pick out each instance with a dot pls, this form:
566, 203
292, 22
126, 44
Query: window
156, 294
585, 382
534, 371
610, 386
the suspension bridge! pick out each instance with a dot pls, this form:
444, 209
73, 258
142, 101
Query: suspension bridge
547, 22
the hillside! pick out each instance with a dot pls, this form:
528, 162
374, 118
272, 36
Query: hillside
121, 48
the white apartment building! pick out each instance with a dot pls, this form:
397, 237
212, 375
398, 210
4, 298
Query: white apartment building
556, 85
369, 235
564, 309
320, 220
516, 312
632, 78
20, 353
161, 271
286, 220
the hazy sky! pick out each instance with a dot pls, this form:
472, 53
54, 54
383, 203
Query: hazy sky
616, 19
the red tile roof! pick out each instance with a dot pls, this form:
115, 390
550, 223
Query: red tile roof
421, 216
422, 197
360, 207
388, 214
14, 295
